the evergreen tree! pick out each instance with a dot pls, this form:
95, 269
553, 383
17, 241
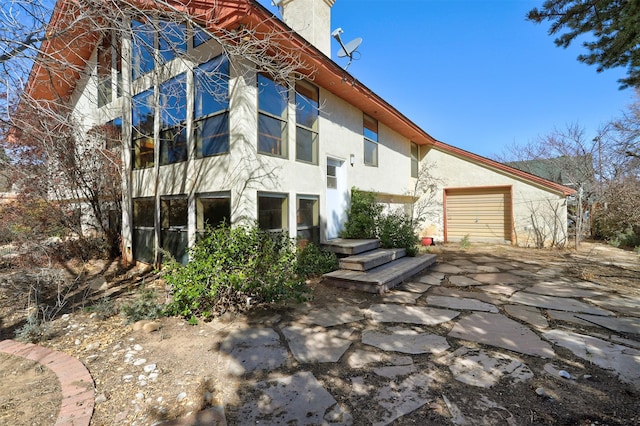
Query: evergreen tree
612, 27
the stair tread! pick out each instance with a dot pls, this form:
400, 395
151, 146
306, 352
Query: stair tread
371, 259
351, 246
383, 274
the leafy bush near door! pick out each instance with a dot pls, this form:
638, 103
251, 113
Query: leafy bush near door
365, 219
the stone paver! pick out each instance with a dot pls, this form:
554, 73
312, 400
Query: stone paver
411, 314
556, 303
406, 341
624, 361
492, 299
315, 344
298, 399
432, 279
462, 304
498, 330
567, 317
463, 281
253, 349
334, 315
484, 369
498, 278
562, 290
398, 399
625, 305
505, 290
446, 268
414, 287
621, 325
528, 314
401, 297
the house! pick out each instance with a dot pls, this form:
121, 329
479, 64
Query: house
209, 135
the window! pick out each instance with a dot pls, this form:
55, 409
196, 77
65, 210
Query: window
109, 69
307, 104
272, 212
272, 117
173, 232
143, 48
212, 210
212, 107
142, 132
173, 118
143, 230
172, 40
113, 134
332, 177
308, 218
200, 36
415, 158
370, 132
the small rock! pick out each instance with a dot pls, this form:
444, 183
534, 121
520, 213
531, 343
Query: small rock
541, 392
139, 395
101, 398
151, 327
153, 377
65, 317
142, 378
92, 358
127, 377
149, 368
77, 342
181, 396
93, 346
93, 315
564, 374
139, 361
137, 348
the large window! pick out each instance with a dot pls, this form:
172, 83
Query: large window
173, 120
200, 36
272, 117
173, 219
307, 104
212, 210
109, 69
273, 212
212, 107
308, 219
143, 48
172, 40
113, 134
370, 132
142, 120
143, 230
415, 159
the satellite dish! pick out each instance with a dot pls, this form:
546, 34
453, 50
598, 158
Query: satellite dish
349, 48
346, 50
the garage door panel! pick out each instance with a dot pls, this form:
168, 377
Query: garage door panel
484, 214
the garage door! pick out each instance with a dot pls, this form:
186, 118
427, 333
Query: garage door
484, 214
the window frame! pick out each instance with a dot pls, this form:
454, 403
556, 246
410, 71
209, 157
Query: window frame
415, 159
173, 138
201, 222
312, 102
145, 231
142, 65
139, 137
284, 211
219, 77
177, 233
280, 148
370, 134
302, 229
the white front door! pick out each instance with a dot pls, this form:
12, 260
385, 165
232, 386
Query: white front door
337, 196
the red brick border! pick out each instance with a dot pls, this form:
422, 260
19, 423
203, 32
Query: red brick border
77, 385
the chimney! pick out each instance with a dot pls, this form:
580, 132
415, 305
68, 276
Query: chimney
311, 19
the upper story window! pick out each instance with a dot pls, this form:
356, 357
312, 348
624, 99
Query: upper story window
109, 69
211, 105
415, 159
272, 117
307, 104
172, 40
113, 134
173, 120
370, 132
200, 36
143, 41
143, 113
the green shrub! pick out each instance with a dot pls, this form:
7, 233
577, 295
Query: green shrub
33, 331
465, 243
630, 238
313, 261
232, 269
395, 230
144, 306
103, 308
363, 216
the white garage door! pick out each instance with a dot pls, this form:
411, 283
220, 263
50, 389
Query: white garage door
484, 214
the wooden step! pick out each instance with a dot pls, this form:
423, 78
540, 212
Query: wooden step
351, 247
371, 259
383, 278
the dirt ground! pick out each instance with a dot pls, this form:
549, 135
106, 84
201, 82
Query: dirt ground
173, 368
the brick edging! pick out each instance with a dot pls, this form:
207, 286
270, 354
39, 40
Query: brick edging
76, 383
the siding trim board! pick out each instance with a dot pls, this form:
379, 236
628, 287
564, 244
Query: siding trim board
483, 213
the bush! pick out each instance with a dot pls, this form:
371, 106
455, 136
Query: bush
395, 230
33, 331
232, 269
627, 239
144, 306
313, 261
363, 216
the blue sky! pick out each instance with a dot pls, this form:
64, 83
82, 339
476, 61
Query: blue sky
474, 73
